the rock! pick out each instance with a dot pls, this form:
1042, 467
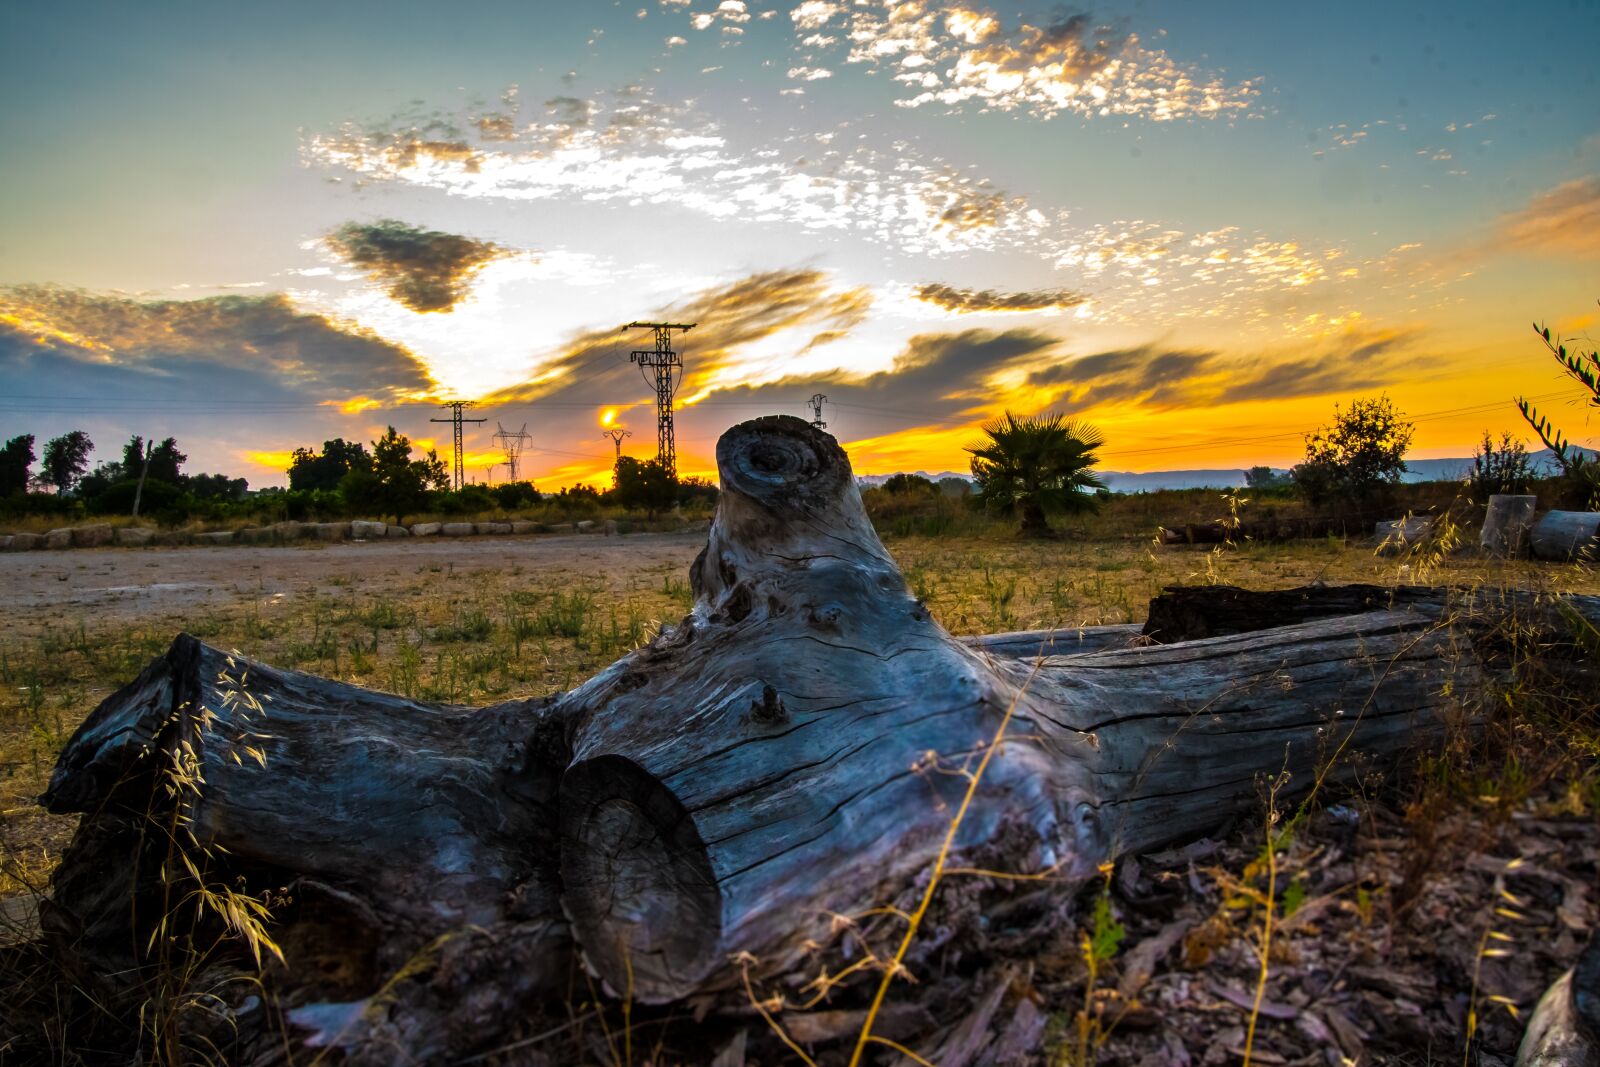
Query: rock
91, 536
332, 531
1400, 534
457, 529
58, 538
25, 542
559, 528
611, 527
255, 535
361, 530
396, 531
214, 537
524, 527
586, 526
173, 537
5, 542
133, 536
288, 531
425, 529
495, 528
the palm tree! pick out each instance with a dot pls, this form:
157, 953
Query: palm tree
1033, 466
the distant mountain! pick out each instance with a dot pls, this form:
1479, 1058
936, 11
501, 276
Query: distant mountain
1417, 470
879, 479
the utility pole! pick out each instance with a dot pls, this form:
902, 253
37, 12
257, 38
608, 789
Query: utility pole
616, 433
138, 491
511, 442
455, 419
664, 361
816, 411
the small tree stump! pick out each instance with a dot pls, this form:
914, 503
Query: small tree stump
1506, 524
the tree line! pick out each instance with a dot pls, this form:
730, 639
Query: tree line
387, 478
147, 471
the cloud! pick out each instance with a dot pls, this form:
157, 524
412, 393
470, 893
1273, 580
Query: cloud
976, 300
264, 335
936, 377
960, 55
1157, 378
753, 329
625, 147
1565, 221
426, 270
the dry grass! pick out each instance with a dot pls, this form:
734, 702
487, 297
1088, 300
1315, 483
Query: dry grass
528, 618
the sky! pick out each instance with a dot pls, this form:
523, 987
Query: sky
1197, 227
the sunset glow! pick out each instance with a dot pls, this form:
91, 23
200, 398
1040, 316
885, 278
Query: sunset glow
1198, 239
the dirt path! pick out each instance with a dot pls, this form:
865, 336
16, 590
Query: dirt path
107, 585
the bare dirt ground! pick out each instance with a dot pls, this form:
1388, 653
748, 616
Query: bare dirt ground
152, 585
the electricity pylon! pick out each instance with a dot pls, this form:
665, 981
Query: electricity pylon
816, 411
511, 442
455, 419
664, 361
616, 433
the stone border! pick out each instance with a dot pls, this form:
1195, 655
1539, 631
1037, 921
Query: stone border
281, 533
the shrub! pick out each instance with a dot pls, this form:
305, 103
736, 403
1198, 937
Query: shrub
1499, 468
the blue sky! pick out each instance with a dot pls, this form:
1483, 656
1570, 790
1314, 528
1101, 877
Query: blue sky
1199, 225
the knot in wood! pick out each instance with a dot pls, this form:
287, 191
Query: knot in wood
780, 459
769, 709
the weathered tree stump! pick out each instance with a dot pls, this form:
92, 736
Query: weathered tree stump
790, 752
1506, 523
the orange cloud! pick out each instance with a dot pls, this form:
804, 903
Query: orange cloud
1565, 221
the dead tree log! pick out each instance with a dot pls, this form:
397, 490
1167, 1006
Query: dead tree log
1565, 535
792, 751
1564, 1030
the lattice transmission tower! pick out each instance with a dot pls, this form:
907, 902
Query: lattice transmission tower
458, 472
511, 442
616, 433
665, 362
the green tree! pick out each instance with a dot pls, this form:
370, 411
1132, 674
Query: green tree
65, 459
325, 470
648, 486
166, 461
216, 487
434, 474
1580, 470
1036, 466
1265, 478
898, 484
394, 484
16, 465
1358, 456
